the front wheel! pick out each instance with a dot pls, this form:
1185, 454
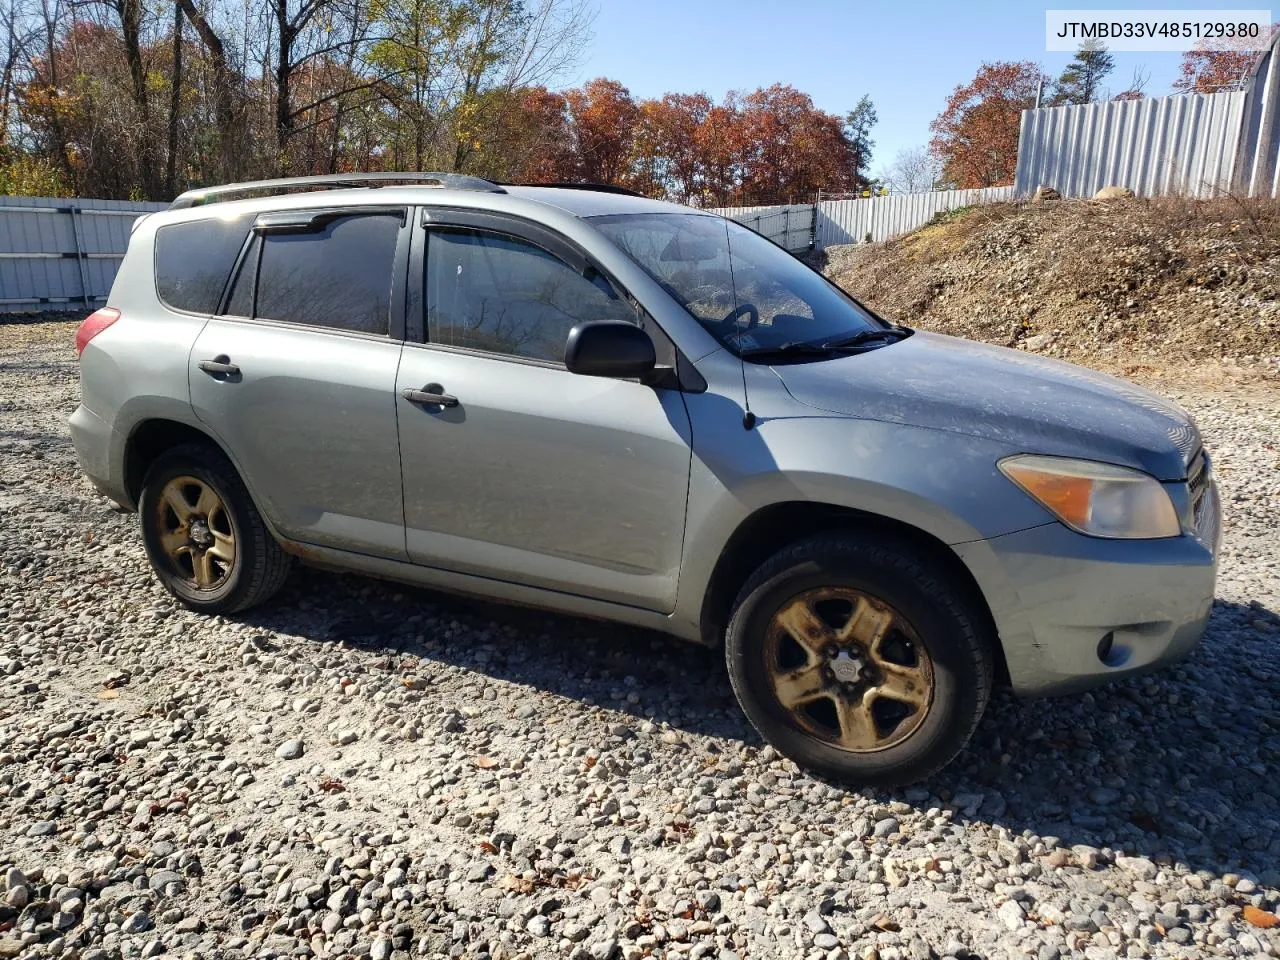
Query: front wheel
204, 536
858, 659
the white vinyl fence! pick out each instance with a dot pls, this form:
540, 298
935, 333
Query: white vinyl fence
801, 226
62, 254
882, 218
788, 225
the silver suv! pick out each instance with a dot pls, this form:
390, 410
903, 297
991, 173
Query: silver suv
609, 406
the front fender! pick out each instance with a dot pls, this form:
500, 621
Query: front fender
942, 483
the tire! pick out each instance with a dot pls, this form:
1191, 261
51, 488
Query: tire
931, 669
220, 557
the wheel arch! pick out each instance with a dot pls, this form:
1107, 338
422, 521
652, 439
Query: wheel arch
150, 438
778, 525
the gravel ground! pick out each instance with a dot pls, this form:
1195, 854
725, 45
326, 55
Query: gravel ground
361, 769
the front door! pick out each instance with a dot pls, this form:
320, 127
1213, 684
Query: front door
297, 379
534, 475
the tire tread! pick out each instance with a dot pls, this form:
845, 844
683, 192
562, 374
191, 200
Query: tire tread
905, 560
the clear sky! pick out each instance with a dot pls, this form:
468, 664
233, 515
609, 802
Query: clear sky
908, 56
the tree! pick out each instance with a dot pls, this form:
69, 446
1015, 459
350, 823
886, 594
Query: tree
857, 129
1136, 86
667, 147
976, 135
1081, 79
1217, 66
914, 170
792, 149
604, 119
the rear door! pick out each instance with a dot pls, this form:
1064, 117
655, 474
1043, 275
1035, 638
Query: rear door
296, 377
535, 475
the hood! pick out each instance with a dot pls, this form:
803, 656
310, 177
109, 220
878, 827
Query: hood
1030, 404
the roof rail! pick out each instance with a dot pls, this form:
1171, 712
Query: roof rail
335, 181
597, 187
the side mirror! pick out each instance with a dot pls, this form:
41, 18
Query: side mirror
609, 348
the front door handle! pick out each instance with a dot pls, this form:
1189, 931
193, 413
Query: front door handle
432, 394
219, 366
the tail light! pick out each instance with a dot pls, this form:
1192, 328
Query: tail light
93, 325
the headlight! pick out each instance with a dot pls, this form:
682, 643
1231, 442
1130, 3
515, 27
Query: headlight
1099, 499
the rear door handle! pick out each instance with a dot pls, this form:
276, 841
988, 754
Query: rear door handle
220, 365
433, 394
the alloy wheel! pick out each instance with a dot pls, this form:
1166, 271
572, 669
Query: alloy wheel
847, 669
196, 533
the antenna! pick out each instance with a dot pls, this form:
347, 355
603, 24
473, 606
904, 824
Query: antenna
748, 418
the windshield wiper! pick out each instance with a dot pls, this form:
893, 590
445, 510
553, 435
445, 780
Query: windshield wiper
866, 336
794, 348
801, 348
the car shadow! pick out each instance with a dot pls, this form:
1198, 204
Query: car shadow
1113, 767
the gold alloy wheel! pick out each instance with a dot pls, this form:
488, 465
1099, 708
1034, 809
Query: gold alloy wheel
848, 669
195, 532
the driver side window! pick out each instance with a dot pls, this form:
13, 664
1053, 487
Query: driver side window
500, 294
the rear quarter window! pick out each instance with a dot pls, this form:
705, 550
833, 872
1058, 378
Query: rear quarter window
193, 260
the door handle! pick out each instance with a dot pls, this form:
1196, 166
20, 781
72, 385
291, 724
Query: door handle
433, 394
219, 366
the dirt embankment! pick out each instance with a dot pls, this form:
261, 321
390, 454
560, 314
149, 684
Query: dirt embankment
1133, 286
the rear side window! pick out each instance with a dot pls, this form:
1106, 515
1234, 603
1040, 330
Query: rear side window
337, 277
193, 260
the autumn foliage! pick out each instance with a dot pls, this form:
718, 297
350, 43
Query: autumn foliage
976, 135
1210, 69
85, 129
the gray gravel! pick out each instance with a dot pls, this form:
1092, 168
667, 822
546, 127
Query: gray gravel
365, 770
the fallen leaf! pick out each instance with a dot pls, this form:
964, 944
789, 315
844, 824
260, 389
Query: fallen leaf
487, 847
588, 763
885, 923
414, 683
1260, 918
486, 763
332, 785
516, 884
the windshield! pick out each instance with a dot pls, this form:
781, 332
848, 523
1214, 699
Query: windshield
750, 294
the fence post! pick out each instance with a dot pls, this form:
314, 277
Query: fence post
84, 277
813, 226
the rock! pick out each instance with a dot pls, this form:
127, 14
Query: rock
1113, 193
886, 827
135, 923
708, 901
538, 926
816, 922
1140, 867
290, 750
381, 949
1011, 914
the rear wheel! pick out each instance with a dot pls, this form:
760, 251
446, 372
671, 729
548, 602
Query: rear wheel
857, 658
203, 535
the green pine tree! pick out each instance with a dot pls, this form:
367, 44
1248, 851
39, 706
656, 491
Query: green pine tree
1081, 79
857, 129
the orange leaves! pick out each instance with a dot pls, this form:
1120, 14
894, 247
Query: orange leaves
976, 135
772, 145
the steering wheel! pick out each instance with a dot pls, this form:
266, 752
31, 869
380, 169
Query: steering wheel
743, 309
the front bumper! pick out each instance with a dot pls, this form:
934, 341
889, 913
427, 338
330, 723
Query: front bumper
1073, 611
